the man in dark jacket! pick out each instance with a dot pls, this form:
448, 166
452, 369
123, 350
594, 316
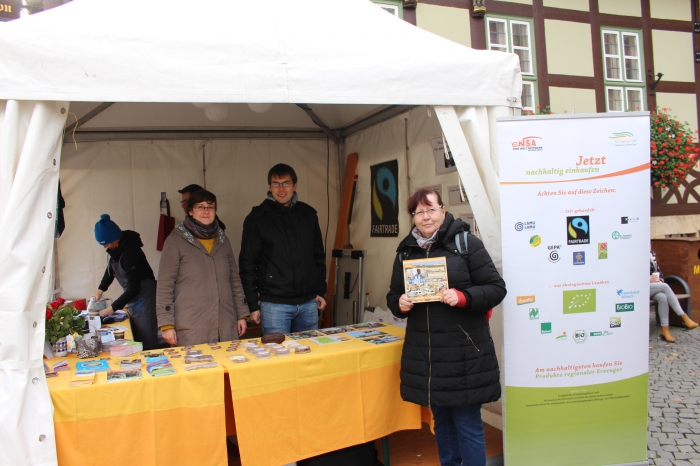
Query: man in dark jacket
128, 264
282, 261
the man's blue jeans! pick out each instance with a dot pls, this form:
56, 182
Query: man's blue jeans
460, 435
286, 318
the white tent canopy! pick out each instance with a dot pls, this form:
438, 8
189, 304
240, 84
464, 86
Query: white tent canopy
132, 67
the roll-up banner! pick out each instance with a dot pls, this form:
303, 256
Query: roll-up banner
576, 233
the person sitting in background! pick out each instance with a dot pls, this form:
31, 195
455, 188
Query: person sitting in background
200, 298
128, 264
665, 297
186, 192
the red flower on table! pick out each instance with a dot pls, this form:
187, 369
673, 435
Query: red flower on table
49, 314
80, 305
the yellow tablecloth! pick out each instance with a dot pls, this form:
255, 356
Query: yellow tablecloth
176, 419
286, 408
297, 406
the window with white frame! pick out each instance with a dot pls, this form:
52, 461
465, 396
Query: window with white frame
515, 36
622, 62
390, 6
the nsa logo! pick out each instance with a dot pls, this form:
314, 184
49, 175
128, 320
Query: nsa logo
578, 301
534, 313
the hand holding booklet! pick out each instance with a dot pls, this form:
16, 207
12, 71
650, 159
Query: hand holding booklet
425, 279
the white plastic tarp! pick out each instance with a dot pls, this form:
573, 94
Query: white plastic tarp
305, 51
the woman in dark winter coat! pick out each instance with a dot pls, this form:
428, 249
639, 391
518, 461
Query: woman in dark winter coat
449, 360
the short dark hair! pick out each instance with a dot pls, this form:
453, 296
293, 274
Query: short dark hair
190, 188
421, 197
200, 196
280, 170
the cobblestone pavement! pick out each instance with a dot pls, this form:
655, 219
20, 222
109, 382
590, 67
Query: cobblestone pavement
674, 398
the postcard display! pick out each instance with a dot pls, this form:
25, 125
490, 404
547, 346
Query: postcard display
575, 222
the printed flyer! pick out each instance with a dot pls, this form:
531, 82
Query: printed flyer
575, 218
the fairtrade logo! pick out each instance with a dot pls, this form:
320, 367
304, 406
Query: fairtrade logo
578, 230
385, 207
520, 226
604, 333
528, 143
623, 307
602, 250
525, 300
561, 337
580, 336
535, 241
615, 322
580, 258
546, 327
617, 235
534, 313
578, 301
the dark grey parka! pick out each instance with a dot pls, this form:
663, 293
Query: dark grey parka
448, 357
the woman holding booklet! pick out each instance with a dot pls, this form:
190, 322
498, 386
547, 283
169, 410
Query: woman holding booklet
449, 361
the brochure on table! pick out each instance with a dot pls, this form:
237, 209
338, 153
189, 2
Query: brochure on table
575, 220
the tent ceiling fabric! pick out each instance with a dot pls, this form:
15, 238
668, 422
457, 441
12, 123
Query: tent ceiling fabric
276, 51
174, 116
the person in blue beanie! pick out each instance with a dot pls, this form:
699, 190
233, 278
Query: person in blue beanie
128, 264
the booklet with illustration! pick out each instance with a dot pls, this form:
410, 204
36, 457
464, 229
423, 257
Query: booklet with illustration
330, 339
425, 279
97, 366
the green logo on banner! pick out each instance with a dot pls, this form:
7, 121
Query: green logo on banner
624, 307
546, 327
534, 313
578, 301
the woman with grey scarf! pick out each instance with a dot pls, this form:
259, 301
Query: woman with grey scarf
200, 298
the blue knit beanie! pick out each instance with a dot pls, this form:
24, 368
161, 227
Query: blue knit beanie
106, 231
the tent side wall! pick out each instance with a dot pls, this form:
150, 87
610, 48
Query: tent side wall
125, 179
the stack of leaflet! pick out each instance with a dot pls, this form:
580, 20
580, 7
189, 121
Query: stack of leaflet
48, 372
81, 378
97, 365
61, 365
159, 366
123, 376
130, 364
126, 349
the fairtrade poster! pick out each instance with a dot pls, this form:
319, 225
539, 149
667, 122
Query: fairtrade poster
385, 199
575, 219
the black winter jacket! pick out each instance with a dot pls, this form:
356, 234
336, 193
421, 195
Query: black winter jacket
448, 357
132, 259
282, 258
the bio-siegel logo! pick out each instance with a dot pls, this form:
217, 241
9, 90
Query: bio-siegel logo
525, 299
624, 307
580, 336
535, 241
578, 230
626, 294
528, 143
580, 258
534, 313
520, 226
617, 235
554, 255
604, 333
615, 322
578, 301
624, 138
